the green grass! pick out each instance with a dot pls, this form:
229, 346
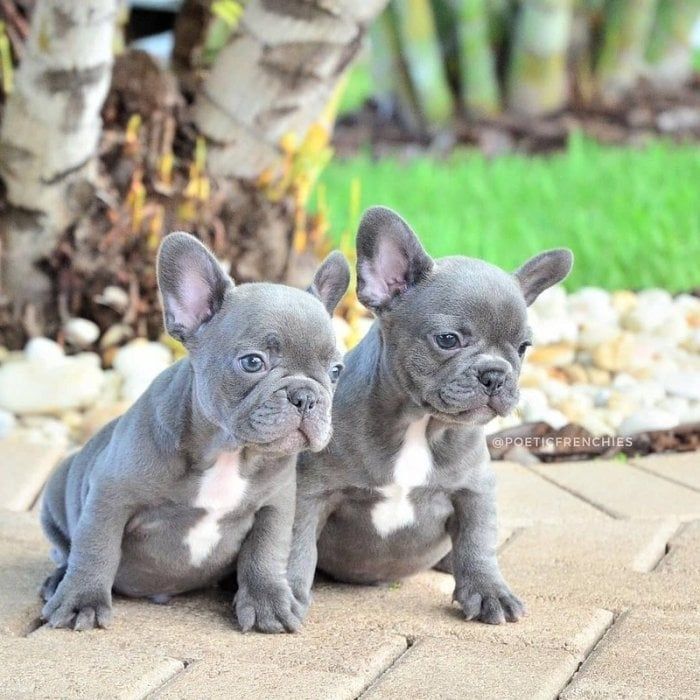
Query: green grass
631, 216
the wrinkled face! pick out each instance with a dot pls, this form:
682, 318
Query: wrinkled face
264, 355
266, 367
456, 341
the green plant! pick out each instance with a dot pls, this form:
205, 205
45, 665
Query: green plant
630, 215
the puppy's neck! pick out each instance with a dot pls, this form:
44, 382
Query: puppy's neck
386, 396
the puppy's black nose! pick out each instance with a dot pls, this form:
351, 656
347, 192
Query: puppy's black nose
303, 398
492, 379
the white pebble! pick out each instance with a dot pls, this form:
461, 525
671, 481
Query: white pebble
28, 387
139, 363
683, 384
43, 350
81, 332
114, 297
7, 423
648, 419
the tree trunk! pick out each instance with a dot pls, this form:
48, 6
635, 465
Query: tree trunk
262, 97
537, 80
628, 24
670, 54
392, 83
49, 136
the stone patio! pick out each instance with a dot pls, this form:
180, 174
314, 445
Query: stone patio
606, 554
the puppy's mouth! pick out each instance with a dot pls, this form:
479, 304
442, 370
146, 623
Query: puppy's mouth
293, 441
479, 411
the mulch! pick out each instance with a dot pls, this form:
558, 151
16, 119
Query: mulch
644, 114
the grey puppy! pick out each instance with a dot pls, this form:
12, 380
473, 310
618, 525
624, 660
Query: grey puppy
197, 479
406, 477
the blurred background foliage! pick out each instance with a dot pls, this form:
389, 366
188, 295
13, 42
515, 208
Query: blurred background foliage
497, 128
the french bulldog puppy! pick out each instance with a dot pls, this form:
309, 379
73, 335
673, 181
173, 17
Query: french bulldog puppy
406, 478
197, 479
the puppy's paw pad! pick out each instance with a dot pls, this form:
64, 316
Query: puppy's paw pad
270, 609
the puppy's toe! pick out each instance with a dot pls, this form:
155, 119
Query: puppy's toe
513, 607
245, 614
85, 619
491, 611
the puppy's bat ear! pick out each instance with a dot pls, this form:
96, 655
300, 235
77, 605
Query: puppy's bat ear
390, 258
331, 280
542, 271
192, 284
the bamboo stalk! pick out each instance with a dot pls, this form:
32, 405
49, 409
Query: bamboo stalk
627, 26
536, 80
421, 53
670, 53
480, 89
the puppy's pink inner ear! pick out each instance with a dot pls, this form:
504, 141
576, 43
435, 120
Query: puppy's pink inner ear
192, 305
386, 274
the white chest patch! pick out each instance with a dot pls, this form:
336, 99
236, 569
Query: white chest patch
221, 490
412, 468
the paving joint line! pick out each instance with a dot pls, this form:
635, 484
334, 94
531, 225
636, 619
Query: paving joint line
591, 652
515, 533
410, 642
153, 692
670, 479
667, 549
606, 511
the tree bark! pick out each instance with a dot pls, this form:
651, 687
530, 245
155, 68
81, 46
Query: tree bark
267, 87
537, 81
49, 136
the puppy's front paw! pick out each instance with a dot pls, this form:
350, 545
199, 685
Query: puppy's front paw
74, 607
267, 608
489, 601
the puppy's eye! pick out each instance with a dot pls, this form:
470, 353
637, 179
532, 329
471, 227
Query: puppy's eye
334, 372
523, 347
251, 363
447, 341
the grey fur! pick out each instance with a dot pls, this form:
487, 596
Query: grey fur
398, 375
118, 511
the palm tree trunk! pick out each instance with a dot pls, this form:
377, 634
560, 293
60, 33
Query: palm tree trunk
49, 136
537, 81
262, 97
